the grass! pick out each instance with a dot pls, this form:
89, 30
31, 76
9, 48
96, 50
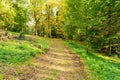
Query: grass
51, 75
19, 51
1, 77
99, 67
39, 42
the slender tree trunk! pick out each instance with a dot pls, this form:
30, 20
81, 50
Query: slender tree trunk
49, 27
86, 39
109, 27
36, 33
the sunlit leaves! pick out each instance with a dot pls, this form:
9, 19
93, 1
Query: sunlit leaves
7, 14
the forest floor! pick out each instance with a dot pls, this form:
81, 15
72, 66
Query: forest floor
58, 63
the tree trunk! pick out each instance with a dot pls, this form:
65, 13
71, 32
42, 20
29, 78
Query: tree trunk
48, 17
109, 27
36, 32
86, 39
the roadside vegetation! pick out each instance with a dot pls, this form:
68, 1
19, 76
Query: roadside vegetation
97, 66
16, 50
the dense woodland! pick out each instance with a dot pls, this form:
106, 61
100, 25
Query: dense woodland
95, 22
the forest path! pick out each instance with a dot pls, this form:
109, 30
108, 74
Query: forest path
59, 63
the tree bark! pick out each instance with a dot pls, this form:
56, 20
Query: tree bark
86, 39
48, 17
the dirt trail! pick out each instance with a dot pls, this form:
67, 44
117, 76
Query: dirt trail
59, 63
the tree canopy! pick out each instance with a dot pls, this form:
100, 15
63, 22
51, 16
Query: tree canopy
95, 22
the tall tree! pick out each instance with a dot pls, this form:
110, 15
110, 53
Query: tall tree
7, 14
21, 17
36, 13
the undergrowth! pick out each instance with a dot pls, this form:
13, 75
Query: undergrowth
99, 67
19, 51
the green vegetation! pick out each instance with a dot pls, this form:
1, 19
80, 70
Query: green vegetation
100, 68
1, 77
96, 23
53, 73
14, 51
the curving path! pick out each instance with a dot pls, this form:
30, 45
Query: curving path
59, 63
